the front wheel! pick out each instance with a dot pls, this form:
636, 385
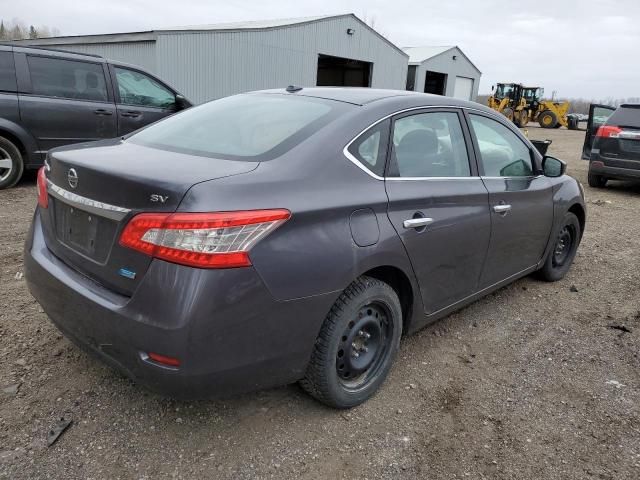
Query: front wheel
548, 119
564, 250
356, 346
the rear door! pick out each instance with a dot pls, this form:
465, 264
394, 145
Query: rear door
520, 199
598, 115
65, 101
141, 99
438, 204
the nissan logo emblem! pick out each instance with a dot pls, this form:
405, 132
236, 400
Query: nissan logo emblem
72, 178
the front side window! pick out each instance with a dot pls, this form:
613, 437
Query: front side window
502, 153
370, 148
141, 90
242, 127
429, 145
54, 77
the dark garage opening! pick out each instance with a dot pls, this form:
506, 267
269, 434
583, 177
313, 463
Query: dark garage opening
435, 82
411, 77
343, 72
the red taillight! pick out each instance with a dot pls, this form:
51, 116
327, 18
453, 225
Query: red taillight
205, 240
608, 131
164, 360
43, 196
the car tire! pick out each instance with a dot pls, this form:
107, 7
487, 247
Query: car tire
356, 346
548, 119
11, 164
596, 181
564, 250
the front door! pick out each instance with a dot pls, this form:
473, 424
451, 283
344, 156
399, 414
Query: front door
598, 115
67, 101
141, 99
520, 199
438, 205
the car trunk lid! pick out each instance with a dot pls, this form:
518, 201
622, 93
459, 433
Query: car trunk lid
95, 191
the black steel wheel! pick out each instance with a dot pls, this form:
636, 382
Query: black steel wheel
356, 345
564, 250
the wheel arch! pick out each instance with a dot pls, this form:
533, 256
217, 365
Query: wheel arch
397, 279
23, 141
579, 212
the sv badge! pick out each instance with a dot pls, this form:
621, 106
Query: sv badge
158, 198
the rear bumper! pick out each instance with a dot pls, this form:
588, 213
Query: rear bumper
229, 333
615, 172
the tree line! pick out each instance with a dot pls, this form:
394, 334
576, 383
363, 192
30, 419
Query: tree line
16, 29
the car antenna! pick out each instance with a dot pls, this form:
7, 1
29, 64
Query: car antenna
293, 89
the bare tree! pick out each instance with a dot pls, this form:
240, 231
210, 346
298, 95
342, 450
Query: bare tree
16, 29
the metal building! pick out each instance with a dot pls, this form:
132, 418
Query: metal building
442, 70
212, 61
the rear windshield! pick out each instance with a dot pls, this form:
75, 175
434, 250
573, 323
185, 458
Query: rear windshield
252, 127
626, 116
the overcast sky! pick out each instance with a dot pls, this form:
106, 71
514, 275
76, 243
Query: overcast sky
580, 48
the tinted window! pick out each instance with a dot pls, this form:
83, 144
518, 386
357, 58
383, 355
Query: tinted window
136, 88
251, 127
7, 72
502, 153
624, 116
370, 148
429, 145
53, 77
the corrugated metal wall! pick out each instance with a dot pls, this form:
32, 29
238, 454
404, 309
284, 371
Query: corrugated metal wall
444, 63
208, 65
136, 53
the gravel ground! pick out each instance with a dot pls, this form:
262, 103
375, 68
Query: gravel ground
537, 381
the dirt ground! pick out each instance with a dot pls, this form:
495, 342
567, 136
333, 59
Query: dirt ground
537, 381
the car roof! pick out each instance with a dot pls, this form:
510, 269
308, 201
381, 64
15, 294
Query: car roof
364, 95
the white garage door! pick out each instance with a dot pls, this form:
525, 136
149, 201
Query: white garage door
463, 88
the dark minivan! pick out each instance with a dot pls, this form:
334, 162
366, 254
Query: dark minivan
612, 143
50, 98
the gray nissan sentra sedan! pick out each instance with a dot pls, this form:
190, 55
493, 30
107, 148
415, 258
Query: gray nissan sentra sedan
291, 235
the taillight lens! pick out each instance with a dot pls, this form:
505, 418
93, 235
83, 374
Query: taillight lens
608, 131
205, 240
43, 196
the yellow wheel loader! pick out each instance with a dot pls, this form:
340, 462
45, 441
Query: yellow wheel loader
522, 105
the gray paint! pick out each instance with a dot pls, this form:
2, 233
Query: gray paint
244, 328
208, 64
444, 63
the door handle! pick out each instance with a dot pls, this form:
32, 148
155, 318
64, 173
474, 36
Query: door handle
102, 111
417, 222
131, 113
502, 208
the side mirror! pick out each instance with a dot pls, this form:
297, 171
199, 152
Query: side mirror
553, 167
182, 103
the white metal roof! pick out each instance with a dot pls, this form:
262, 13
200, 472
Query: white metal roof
249, 25
420, 54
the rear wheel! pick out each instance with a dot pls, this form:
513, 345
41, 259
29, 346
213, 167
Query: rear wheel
596, 181
508, 112
11, 165
522, 118
564, 250
356, 346
548, 119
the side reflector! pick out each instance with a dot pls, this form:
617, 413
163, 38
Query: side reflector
164, 360
43, 196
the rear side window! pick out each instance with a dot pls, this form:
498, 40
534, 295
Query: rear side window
241, 127
136, 88
7, 72
429, 145
53, 77
370, 148
625, 116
